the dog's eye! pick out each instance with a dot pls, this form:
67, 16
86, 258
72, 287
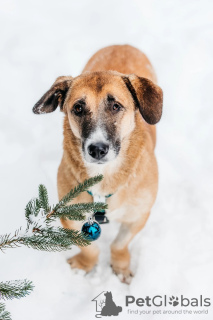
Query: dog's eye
78, 109
116, 107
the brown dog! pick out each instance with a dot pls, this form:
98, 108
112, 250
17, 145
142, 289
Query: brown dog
110, 110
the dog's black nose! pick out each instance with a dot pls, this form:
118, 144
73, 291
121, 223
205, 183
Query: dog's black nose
98, 150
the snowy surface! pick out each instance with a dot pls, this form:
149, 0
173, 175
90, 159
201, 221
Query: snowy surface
41, 40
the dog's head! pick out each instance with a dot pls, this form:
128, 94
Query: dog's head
101, 108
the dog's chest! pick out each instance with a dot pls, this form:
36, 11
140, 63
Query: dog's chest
130, 208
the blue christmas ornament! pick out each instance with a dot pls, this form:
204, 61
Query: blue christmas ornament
91, 230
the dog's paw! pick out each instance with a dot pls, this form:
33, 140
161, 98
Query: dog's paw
79, 261
124, 275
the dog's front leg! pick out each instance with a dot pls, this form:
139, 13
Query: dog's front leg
120, 256
87, 258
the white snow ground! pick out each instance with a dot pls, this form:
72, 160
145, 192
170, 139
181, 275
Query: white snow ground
41, 40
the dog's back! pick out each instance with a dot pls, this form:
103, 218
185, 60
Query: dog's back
122, 58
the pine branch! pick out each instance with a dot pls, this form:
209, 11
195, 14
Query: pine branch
57, 239
43, 198
77, 211
4, 315
39, 233
15, 289
50, 239
76, 191
8, 241
32, 208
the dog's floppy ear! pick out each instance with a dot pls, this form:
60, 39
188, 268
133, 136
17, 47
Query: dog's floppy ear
54, 97
147, 96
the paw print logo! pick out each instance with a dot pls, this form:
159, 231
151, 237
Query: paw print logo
173, 301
